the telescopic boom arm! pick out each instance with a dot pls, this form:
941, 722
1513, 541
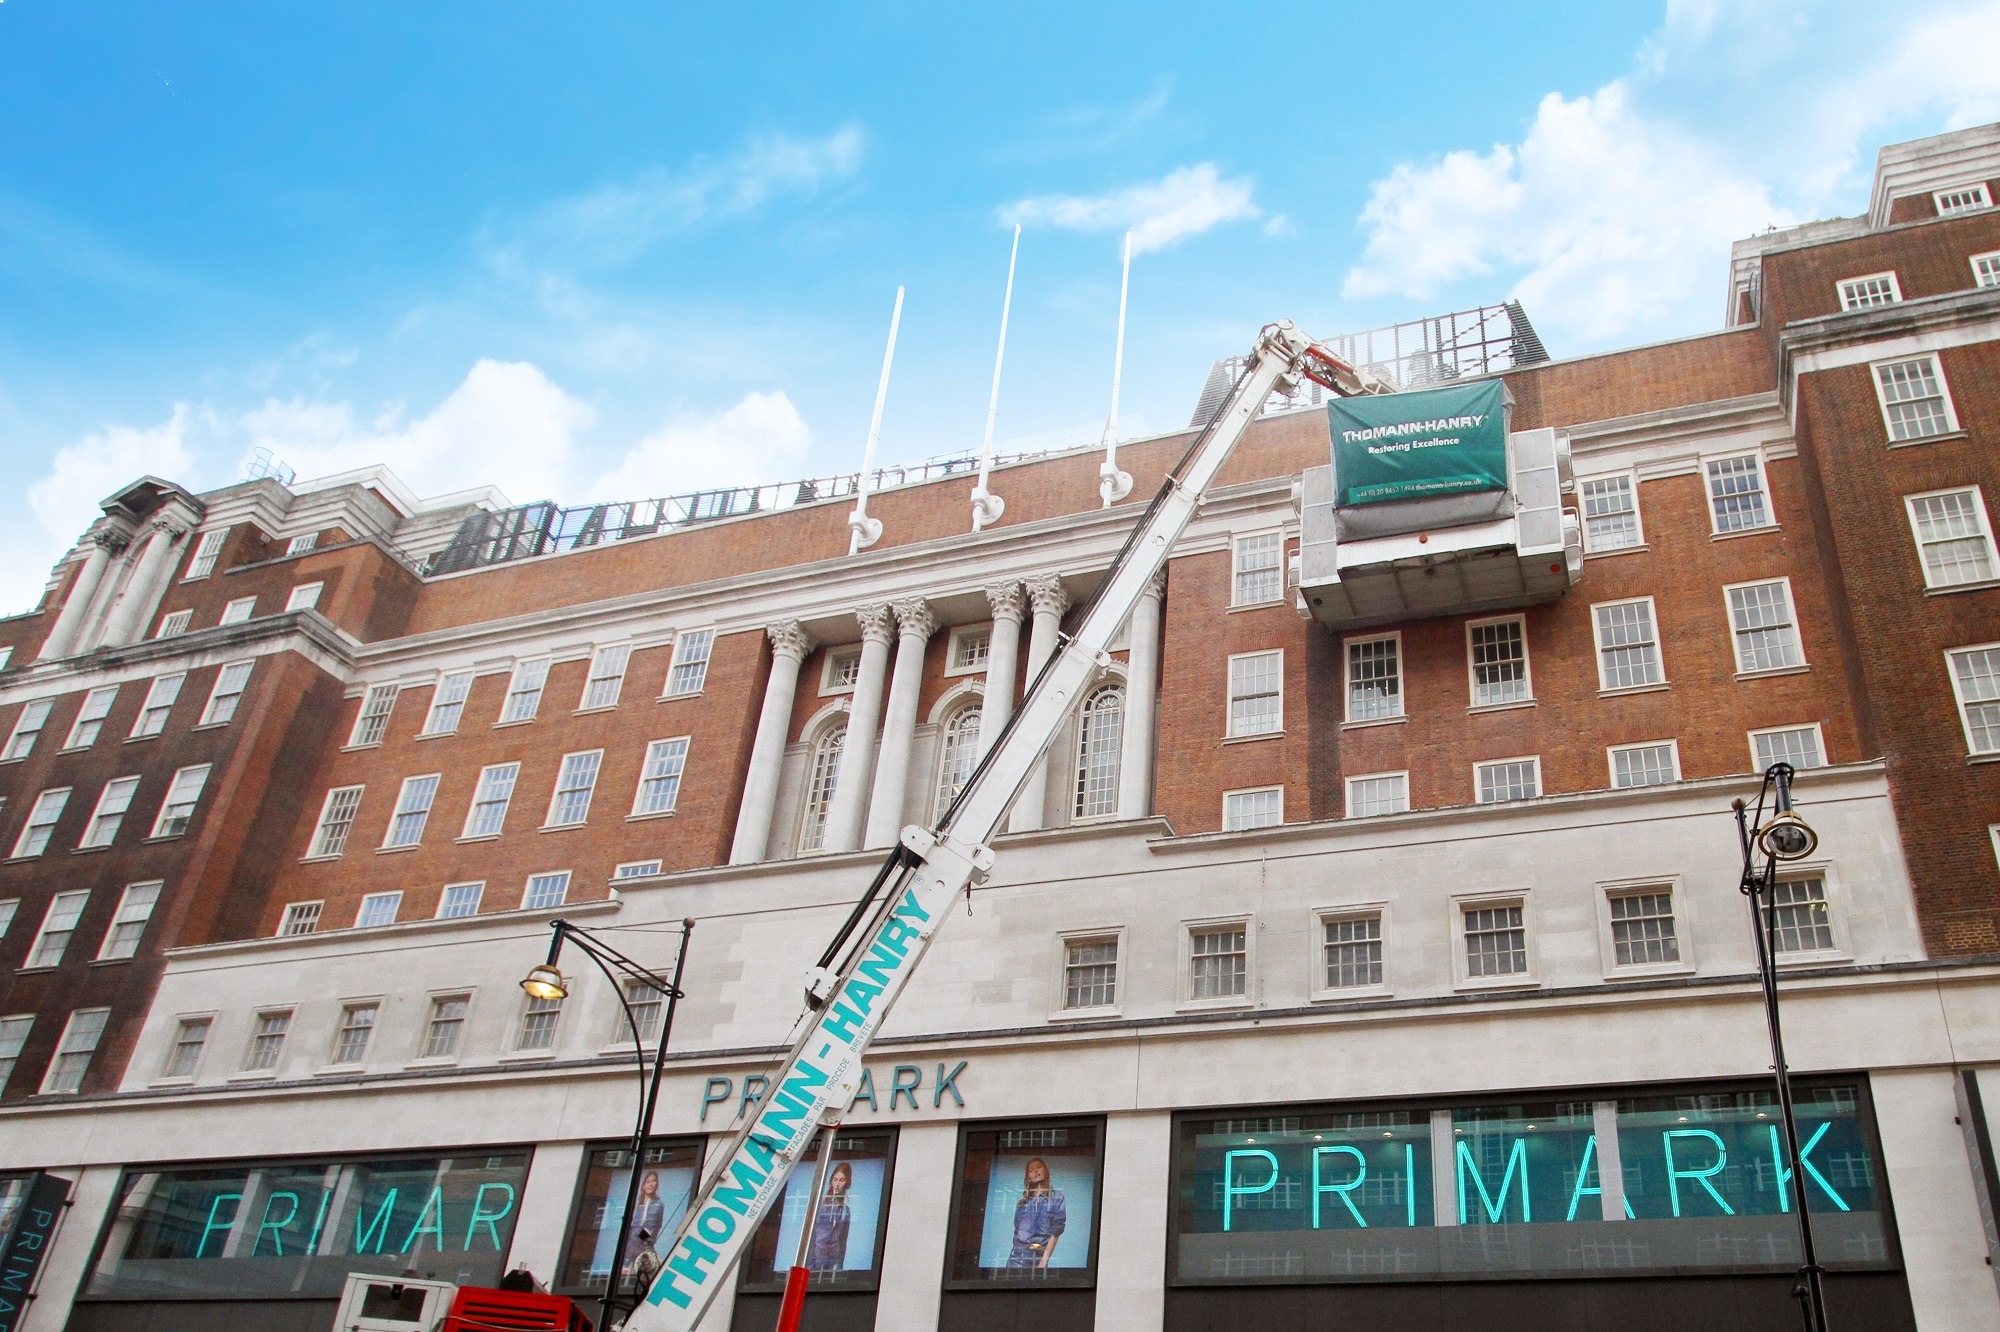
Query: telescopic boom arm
857, 982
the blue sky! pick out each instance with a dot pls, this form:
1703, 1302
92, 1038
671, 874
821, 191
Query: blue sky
619, 250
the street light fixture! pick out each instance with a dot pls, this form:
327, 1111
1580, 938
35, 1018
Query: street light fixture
546, 981
1784, 836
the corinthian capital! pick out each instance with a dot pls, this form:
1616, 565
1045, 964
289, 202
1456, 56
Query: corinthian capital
173, 528
1008, 601
110, 540
878, 624
1047, 595
914, 618
789, 639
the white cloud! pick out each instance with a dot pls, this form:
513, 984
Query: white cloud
1611, 219
1185, 202
613, 224
66, 500
762, 438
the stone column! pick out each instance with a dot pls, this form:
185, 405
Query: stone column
790, 645
105, 546
142, 592
856, 773
1003, 661
914, 626
1142, 691
1046, 595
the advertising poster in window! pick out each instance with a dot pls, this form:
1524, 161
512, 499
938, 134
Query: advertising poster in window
666, 1186
1027, 1204
844, 1245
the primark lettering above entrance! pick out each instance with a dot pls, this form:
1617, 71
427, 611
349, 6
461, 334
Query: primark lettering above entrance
1367, 949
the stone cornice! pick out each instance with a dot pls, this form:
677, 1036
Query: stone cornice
306, 632
1856, 337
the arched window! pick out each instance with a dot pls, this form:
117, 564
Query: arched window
820, 776
957, 756
1100, 732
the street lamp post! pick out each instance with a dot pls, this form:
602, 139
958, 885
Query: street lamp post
1785, 836
545, 981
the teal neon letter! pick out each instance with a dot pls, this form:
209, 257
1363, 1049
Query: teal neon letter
236, 1201
1360, 1173
1494, 1205
378, 1229
277, 1228
1230, 1191
489, 1219
1805, 1159
433, 1208
1675, 1174
1410, 1182
1583, 1169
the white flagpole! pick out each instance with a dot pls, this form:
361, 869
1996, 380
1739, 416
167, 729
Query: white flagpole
986, 506
1113, 484
867, 531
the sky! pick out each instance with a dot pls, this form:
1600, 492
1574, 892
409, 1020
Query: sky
625, 250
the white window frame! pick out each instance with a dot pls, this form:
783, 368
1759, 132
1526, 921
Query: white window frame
1715, 529
506, 802
207, 550
1611, 762
827, 687
348, 1008
316, 844
239, 611
704, 635
1951, 423
1317, 920
15, 1028
1247, 922
20, 851
589, 792
1472, 673
182, 1021
591, 677
1347, 646
441, 699
1744, 672
444, 900
41, 709
1236, 569
396, 811
1985, 531
394, 898
173, 624
173, 683
9, 908
1684, 932
362, 716
636, 869
1059, 991
528, 888
302, 543
1819, 741
679, 776
959, 633
217, 692
1532, 760
1347, 793
92, 839
295, 912
252, 1069
1844, 287
109, 693
193, 802
1957, 694
814, 814
80, 898
462, 1022
1836, 915
49, 1087
1227, 796
515, 690
1229, 717
1989, 276
1597, 645
304, 597
1083, 752
1974, 187
1462, 977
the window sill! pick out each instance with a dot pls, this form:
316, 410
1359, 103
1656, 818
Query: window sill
171, 1082
355, 749
668, 698
86, 850
1252, 739
1765, 530
1639, 549
592, 712
135, 739
1354, 992
1486, 984
1478, 708
210, 726
518, 721
162, 837
560, 827
76, 749
1981, 586
1659, 688
644, 818
21, 759
1239, 1002
959, 672
482, 837
435, 735
1819, 958
1969, 758
1095, 1014
1648, 971
23, 860
825, 693
1254, 605
318, 860
34, 971
339, 1070
255, 1075
396, 850
1774, 670
111, 961
1374, 721
1926, 439
434, 1061
527, 1056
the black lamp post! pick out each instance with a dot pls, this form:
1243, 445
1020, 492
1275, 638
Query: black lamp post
1785, 836
547, 982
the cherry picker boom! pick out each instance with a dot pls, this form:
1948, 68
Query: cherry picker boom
853, 988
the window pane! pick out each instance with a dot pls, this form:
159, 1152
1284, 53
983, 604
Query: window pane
667, 1182
958, 753
1643, 765
1259, 576
1952, 539
446, 1025
1766, 637
1628, 654
607, 677
447, 703
373, 721
378, 909
1090, 973
538, 1024
1642, 928
1219, 965
660, 778
1799, 916
1798, 746
413, 810
524, 691
1374, 680
1353, 952
574, 785
1610, 513
1101, 733
1912, 399
1499, 663
267, 1041
690, 668
357, 1024
1496, 942
1516, 779
819, 788
490, 800
1736, 494
845, 1234
336, 819
1370, 796
1978, 674
460, 899
1252, 809
546, 890
1255, 703
1026, 1203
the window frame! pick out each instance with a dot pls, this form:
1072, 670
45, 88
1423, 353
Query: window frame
49, 1087
34, 735
1059, 991
362, 716
216, 693
463, 1021
1951, 421
959, 633
1958, 697
519, 1048
1486, 899
514, 690
29, 959
173, 624
1819, 741
591, 677
1841, 285
1683, 914
1744, 672
679, 777
151, 704
844, 652
83, 718
441, 700
20, 851
1605, 690
641, 869
444, 900
1347, 793
393, 896
1081, 752
206, 552
528, 887
1756, 456
1978, 495
349, 1007
193, 802
1977, 187
396, 812
1673, 746
249, 1069
1979, 282
1836, 915
296, 910
111, 947
1347, 646
558, 790
182, 1021
1534, 760
1236, 570
90, 841
1472, 672
230, 615
315, 845
1193, 925
11, 1059
1230, 696
301, 543
705, 635
506, 803
1249, 791
304, 596
814, 815
1317, 990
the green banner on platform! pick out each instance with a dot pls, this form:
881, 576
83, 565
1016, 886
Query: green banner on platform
1400, 446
